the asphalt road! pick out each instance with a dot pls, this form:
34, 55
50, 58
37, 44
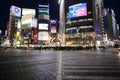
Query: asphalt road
59, 65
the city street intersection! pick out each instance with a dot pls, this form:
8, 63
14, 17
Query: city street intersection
16, 64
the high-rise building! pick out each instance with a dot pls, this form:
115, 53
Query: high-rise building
81, 22
110, 24
43, 24
14, 17
27, 25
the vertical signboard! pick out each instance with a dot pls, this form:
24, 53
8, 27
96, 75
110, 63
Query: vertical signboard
43, 12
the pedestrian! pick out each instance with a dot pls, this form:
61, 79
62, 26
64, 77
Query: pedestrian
40, 47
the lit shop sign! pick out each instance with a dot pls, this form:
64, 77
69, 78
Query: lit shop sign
44, 11
26, 11
15, 11
43, 26
43, 36
43, 5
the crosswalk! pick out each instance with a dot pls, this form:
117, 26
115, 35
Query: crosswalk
90, 67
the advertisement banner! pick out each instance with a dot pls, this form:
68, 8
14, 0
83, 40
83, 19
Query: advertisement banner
27, 21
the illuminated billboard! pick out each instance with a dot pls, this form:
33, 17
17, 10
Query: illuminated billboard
43, 36
78, 10
27, 21
26, 11
15, 11
44, 11
43, 26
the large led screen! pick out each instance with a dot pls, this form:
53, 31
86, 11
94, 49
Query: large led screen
78, 10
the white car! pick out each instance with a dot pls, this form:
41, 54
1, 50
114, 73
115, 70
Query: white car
119, 48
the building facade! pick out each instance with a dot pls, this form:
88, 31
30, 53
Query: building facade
43, 24
12, 28
27, 25
111, 28
81, 22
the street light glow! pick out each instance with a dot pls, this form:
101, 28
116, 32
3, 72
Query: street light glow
59, 1
0, 32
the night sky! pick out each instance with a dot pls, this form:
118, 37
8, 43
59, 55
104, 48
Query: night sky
54, 13
115, 5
